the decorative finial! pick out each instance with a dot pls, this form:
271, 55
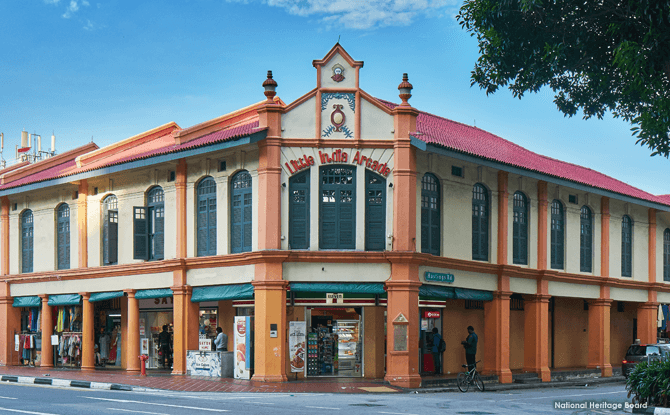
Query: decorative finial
270, 85
405, 89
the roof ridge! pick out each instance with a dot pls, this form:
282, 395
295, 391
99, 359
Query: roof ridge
48, 163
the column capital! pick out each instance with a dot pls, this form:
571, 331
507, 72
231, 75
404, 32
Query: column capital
648, 306
85, 295
537, 298
130, 292
504, 295
271, 285
181, 289
44, 298
600, 302
403, 285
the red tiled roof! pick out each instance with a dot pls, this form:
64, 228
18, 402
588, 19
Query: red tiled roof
474, 141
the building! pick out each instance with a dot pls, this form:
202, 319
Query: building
341, 210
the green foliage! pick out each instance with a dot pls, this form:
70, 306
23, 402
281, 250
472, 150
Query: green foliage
597, 56
650, 383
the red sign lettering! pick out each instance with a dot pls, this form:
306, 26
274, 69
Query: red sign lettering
431, 314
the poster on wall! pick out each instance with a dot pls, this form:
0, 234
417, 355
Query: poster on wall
296, 345
242, 330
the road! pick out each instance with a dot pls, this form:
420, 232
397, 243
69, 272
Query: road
42, 400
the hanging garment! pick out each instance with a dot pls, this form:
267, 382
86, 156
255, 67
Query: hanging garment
104, 346
59, 322
38, 320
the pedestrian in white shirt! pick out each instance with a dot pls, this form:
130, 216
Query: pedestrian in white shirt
221, 341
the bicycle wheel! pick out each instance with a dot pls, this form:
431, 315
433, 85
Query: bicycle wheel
463, 382
479, 382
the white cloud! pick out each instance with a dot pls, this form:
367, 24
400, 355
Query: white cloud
51, 1
89, 25
73, 7
360, 14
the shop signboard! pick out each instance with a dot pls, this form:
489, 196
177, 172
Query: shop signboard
435, 276
144, 346
431, 314
242, 333
204, 343
142, 329
296, 345
334, 298
16, 342
202, 361
54, 340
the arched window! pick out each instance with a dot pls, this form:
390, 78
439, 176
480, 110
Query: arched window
110, 230
666, 255
586, 240
149, 224
241, 221
520, 229
207, 217
63, 236
626, 246
298, 211
27, 241
557, 235
375, 212
480, 223
430, 214
337, 222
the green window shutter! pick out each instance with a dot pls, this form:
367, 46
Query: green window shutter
241, 211
140, 233
27, 241
113, 237
586, 240
156, 223
375, 212
666, 255
480, 223
63, 236
298, 209
557, 235
337, 226
430, 214
520, 229
206, 217
626, 246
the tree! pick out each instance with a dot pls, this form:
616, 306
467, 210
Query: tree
596, 55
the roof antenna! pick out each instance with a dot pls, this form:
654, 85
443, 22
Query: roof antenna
475, 123
338, 39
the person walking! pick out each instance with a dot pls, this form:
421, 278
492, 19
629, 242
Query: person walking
164, 344
221, 341
470, 344
436, 351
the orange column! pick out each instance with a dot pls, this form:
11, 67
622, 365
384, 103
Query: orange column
647, 327
599, 334
10, 323
47, 331
605, 237
503, 209
185, 315
133, 342
121, 354
88, 334
82, 223
180, 189
542, 208
536, 335
4, 235
496, 326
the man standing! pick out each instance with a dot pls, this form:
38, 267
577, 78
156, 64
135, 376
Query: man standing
436, 350
470, 345
164, 340
221, 341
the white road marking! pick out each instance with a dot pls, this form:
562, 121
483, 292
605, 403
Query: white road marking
136, 412
322, 407
7, 397
562, 396
262, 403
394, 413
157, 404
25, 412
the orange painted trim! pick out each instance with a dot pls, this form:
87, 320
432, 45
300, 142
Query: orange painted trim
269, 185
82, 223
328, 143
605, 237
357, 69
652, 246
4, 235
47, 163
336, 49
503, 215
317, 112
181, 216
301, 100
542, 211
357, 121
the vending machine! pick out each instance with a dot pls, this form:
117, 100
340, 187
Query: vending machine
244, 347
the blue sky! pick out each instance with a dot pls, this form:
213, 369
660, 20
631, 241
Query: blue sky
107, 70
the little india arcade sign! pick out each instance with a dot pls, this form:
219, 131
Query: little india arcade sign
338, 156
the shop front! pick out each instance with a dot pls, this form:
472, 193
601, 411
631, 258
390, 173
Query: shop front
29, 338
67, 315
430, 317
156, 311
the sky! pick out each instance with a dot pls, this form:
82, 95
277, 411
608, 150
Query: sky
107, 70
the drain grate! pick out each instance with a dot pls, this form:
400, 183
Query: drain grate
365, 404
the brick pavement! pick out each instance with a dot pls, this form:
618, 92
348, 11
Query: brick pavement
163, 380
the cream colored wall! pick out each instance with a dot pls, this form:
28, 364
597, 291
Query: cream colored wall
338, 272
221, 275
56, 286
300, 122
623, 294
564, 289
44, 238
349, 80
663, 297
662, 223
294, 153
640, 218
375, 123
523, 285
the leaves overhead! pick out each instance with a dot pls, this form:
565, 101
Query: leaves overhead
596, 55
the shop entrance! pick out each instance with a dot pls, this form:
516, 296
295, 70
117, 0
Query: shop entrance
154, 314
429, 318
334, 341
107, 326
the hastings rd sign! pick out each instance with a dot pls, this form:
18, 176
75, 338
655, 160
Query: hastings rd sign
338, 156
434, 276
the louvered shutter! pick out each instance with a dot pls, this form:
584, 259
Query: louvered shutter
202, 227
140, 233
113, 237
328, 230
246, 247
158, 232
425, 224
338, 208
375, 212
27, 242
236, 226
299, 211
241, 212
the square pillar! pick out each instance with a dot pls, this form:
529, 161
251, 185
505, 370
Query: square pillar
402, 340
10, 323
496, 332
536, 336
270, 354
227, 321
373, 338
599, 336
132, 341
47, 331
185, 337
647, 326
87, 334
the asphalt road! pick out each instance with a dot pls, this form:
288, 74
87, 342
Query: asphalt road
28, 399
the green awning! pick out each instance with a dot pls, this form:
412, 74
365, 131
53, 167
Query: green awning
153, 293
338, 287
105, 296
437, 291
478, 295
223, 292
33, 301
64, 299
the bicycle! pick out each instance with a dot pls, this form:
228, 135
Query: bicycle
467, 377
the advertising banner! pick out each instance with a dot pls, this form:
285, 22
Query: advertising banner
296, 345
204, 343
242, 350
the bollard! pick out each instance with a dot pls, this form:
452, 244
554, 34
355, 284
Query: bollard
143, 364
